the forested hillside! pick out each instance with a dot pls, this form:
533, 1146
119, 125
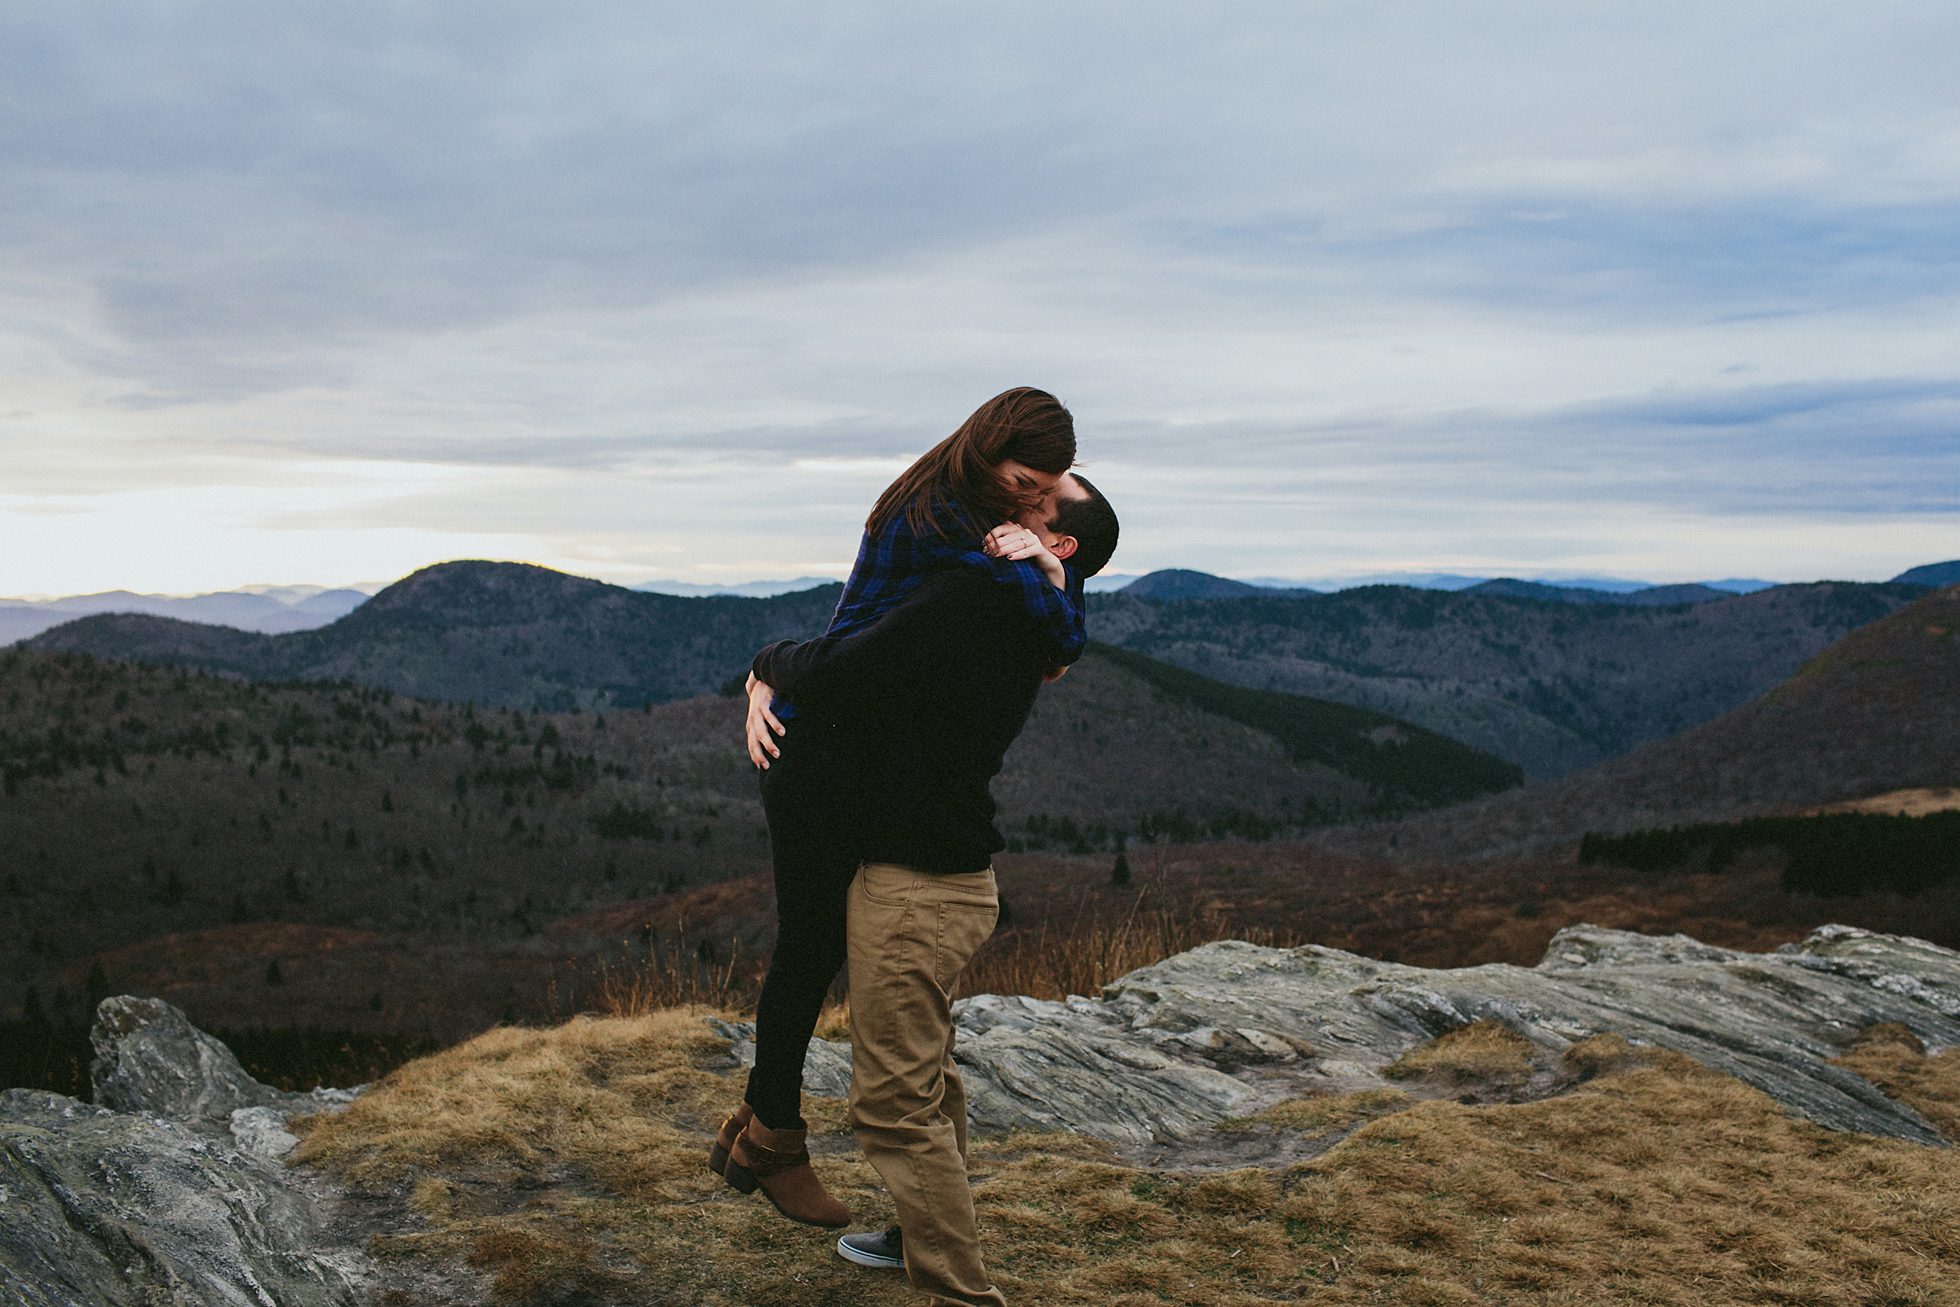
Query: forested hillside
1551, 686
140, 803
1878, 711
504, 634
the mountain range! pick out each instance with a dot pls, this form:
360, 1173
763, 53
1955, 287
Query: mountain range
1181, 583
1934, 574
270, 609
1876, 712
274, 609
419, 863
746, 589
491, 633
1548, 686
1551, 686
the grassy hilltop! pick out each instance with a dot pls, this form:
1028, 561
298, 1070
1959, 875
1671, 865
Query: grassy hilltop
566, 1165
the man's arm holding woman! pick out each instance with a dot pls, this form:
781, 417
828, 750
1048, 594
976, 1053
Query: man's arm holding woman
880, 668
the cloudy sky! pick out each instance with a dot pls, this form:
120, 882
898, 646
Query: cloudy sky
325, 293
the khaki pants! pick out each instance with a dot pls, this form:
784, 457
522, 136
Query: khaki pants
910, 936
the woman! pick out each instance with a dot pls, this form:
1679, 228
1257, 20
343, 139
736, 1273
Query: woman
1005, 458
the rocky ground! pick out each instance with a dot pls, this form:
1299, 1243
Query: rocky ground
170, 1187
174, 1187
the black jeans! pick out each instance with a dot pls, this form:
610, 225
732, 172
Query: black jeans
813, 797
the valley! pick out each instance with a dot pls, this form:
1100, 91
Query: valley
338, 854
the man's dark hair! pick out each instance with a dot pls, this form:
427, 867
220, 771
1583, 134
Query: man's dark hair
1093, 524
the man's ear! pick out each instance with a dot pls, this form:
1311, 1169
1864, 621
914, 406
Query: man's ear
1064, 547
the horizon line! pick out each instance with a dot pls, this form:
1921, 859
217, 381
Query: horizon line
1335, 580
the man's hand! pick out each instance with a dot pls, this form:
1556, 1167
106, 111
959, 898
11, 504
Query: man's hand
1013, 541
762, 746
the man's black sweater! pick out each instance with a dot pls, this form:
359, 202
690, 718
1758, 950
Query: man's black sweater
935, 692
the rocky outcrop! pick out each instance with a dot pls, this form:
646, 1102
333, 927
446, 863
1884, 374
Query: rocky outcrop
150, 1058
1169, 1051
107, 1207
1173, 1048
169, 1190
172, 1189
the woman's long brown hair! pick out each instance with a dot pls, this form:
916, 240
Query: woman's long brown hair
1027, 425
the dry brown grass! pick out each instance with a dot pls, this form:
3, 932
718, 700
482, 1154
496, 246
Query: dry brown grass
1329, 1114
567, 1164
1066, 943
1891, 1057
1484, 1052
675, 974
1102, 938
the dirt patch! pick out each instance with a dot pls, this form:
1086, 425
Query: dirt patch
1898, 803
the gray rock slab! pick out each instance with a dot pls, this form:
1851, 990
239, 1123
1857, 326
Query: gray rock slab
1167, 1052
826, 1066
1077, 1073
110, 1208
150, 1058
1172, 1048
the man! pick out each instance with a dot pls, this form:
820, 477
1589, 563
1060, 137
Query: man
944, 682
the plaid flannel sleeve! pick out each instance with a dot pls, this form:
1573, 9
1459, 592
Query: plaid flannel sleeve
1059, 612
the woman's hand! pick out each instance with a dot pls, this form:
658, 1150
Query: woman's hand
1013, 541
762, 746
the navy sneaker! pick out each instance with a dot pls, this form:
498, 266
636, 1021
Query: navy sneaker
880, 1250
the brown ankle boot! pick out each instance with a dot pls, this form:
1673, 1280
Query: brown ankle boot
718, 1151
778, 1163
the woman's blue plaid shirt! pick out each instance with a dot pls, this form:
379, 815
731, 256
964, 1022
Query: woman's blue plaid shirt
893, 561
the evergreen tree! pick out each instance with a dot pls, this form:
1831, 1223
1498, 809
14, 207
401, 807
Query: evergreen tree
1119, 871
273, 976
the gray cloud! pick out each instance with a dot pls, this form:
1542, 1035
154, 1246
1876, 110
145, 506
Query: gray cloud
1376, 263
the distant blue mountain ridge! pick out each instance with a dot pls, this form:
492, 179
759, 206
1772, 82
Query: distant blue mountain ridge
273, 610
1458, 581
750, 589
1933, 574
1183, 583
270, 610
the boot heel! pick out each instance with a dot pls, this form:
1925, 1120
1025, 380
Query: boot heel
740, 1177
731, 1129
